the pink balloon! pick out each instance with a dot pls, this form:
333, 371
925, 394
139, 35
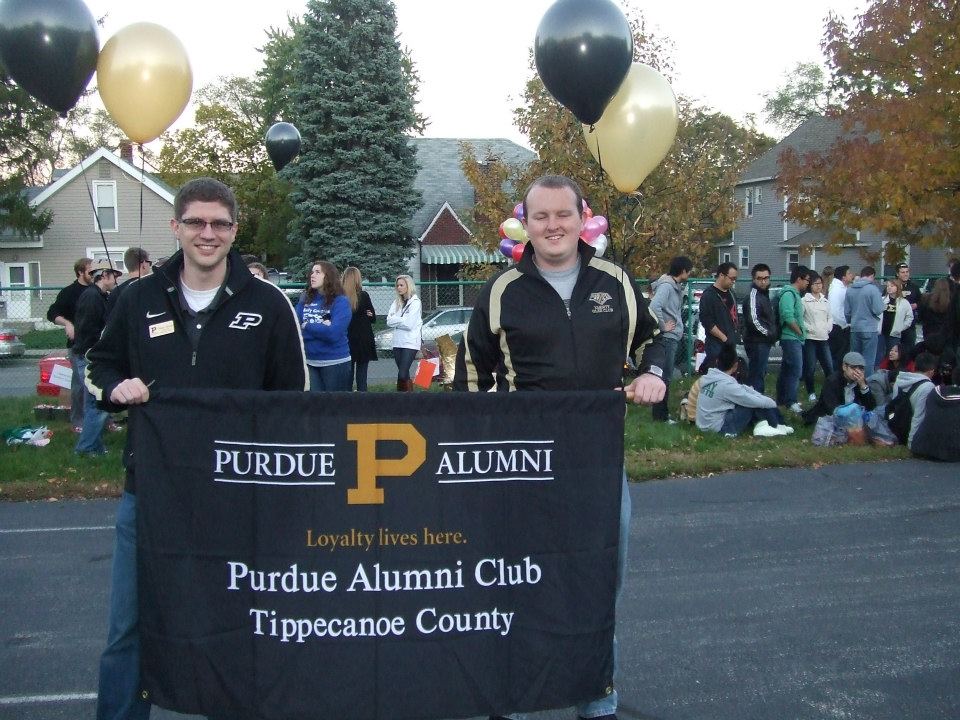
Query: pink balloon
591, 229
602, 222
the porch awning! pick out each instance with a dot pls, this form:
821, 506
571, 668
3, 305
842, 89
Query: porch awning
457, 255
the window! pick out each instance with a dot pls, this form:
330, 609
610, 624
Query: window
725, 257
748, 203
793, 261
116, 256
105, 198
744, 257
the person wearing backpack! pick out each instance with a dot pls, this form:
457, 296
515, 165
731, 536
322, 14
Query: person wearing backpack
906, 410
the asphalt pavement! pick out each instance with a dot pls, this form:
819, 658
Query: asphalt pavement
780, 594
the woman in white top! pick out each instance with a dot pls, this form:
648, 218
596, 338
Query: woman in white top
897, 316
818, 323
405, 319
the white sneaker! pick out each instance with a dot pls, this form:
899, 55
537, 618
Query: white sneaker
812, 397
671, 421
797, 408
784, 429
763, 429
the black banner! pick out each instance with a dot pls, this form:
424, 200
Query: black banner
368, 555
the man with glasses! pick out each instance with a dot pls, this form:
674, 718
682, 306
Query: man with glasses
63, 312
792, 337
760, 329
718, 314
200, 321
138, 264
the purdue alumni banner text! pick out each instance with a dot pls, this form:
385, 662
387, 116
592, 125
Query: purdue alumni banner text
368, 555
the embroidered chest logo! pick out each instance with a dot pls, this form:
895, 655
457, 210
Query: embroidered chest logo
245, 320
602, 302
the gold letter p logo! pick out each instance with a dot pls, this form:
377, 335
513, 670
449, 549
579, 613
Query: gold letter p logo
370, 467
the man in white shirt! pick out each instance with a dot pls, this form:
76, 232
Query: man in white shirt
839, 337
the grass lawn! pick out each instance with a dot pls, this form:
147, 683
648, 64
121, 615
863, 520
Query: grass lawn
45, 339
653, 450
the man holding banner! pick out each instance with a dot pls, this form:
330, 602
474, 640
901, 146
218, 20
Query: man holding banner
563, 319
200, 321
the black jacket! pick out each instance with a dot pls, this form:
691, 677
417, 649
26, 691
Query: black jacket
360, 331
65, 304
715, 311
91, 316
520, 336
759, 322
251, 341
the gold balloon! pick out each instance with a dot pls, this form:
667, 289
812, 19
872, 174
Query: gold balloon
145, 80
637, 128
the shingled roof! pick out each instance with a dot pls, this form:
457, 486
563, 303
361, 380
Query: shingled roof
816, 133
441, 180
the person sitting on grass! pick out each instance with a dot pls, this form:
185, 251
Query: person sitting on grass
727, 407
846, 385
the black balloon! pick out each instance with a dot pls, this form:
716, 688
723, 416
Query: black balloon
283, 144
583, 50
49, 48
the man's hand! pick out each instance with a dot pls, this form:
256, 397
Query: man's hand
130, 392
68, 328
646, 390
669, 325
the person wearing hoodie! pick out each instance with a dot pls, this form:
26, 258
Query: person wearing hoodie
760, 329
792, 336
667, 305
727, 407
926, 365
840, 333
862, 308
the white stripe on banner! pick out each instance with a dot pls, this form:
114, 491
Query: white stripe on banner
37, 699
495, 479
500, 442
270, 482
55, 529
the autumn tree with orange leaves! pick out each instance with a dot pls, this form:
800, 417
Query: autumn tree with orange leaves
896, 168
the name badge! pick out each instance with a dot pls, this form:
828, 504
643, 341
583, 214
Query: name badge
164, 328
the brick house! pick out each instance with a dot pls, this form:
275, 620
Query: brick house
762, 234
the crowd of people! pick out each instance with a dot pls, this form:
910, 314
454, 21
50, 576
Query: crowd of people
862, 334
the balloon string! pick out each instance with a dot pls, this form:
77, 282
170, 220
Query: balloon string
143, 172
93, 205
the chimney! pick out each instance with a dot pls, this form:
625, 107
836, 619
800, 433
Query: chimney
126, 151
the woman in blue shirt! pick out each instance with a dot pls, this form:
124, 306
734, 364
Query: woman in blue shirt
324, 314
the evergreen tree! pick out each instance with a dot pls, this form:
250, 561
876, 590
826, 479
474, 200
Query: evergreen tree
353, 183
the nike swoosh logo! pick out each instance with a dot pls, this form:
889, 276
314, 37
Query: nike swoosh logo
151, 315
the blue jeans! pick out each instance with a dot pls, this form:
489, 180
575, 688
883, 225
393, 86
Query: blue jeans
78, 392
94, 421
330, 378
661, 410
790, 368
814, 351
607, 705
119, 689
739, 418
358, 370
404, 358
758, 357
865, 343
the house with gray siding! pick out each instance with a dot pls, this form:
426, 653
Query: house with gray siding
103, 193
443, 239
763, 235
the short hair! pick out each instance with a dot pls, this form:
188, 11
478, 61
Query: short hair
925, 361
555, 182
800, 271
256, 265
759, 267
727, 358
841, 271
205, 189
81, 265
723, 268
680, 264
868, 271
133, 257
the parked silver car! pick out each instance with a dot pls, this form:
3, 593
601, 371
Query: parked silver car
11, 345
450, 321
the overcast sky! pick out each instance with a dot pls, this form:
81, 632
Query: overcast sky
472, 56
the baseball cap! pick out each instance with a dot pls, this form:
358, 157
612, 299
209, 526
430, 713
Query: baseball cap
901, 266
854, 359
102, 266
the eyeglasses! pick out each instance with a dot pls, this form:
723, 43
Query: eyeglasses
758, 278
219, 226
